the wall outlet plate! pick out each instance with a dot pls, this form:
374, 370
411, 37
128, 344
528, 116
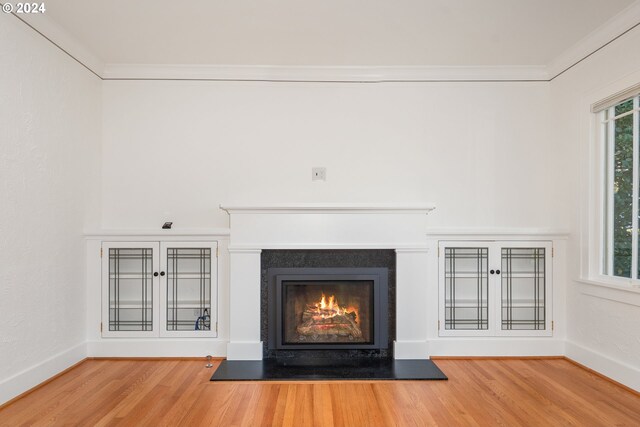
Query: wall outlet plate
319, 174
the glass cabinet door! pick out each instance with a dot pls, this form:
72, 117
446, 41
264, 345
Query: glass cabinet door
524, 290
495, 288
466, 301
188, 292
130, 289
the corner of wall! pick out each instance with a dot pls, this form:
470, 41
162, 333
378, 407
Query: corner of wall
24, 381
618, 371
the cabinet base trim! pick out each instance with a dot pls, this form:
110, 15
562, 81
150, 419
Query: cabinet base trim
156, 348
498, 347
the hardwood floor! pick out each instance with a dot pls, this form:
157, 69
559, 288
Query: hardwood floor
177, 392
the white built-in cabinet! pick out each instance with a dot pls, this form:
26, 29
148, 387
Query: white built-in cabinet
159, 289
495, 288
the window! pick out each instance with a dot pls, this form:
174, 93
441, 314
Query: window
621, 131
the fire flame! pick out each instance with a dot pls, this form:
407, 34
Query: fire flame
327, 309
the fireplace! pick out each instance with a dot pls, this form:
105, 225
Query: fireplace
328, 304
328, 235
328, 308
325, 310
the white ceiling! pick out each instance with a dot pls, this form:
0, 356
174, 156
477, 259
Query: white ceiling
331, 32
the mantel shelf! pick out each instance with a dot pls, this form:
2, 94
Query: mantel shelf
323, 208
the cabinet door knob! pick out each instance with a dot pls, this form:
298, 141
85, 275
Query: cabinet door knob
492, 271
162, 273
155, 274
497, 271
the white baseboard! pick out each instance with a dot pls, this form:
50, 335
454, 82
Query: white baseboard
511, 347
244, 350
162, 347
31, 377
410, 350
614, 369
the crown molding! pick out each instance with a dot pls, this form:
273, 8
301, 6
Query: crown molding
624, 21
362, 74
627, 19
57, 35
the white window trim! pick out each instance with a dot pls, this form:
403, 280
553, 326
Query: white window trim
606, 132
591, 203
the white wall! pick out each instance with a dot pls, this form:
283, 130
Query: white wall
478, 151
481, 152
49, 171
603, 330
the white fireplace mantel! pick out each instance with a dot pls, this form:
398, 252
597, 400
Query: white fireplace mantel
328, 226
316, 208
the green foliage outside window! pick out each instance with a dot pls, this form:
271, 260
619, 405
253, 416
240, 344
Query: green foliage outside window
623, 191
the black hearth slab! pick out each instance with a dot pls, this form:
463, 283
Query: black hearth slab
310, 369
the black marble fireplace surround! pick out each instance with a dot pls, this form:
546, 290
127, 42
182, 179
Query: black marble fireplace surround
329, 261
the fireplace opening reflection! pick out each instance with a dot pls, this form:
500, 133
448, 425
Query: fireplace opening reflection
331, 312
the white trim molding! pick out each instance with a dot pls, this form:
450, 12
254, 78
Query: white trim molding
237, 250
412, 249
61, 38
624, 21
37, 374
157, 347
157, 234
496, 347
592, 224
356, 74
497, 233
399, 248
612, 29
603, 364
328, 225
625, 294
325, 208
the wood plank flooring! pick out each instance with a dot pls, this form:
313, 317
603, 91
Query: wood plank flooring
547, 392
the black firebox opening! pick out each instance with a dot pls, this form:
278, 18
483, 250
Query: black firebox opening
328, 308
332, 304
334, 312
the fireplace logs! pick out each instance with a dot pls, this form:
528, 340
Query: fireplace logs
316, 325
328, 308
324, 319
